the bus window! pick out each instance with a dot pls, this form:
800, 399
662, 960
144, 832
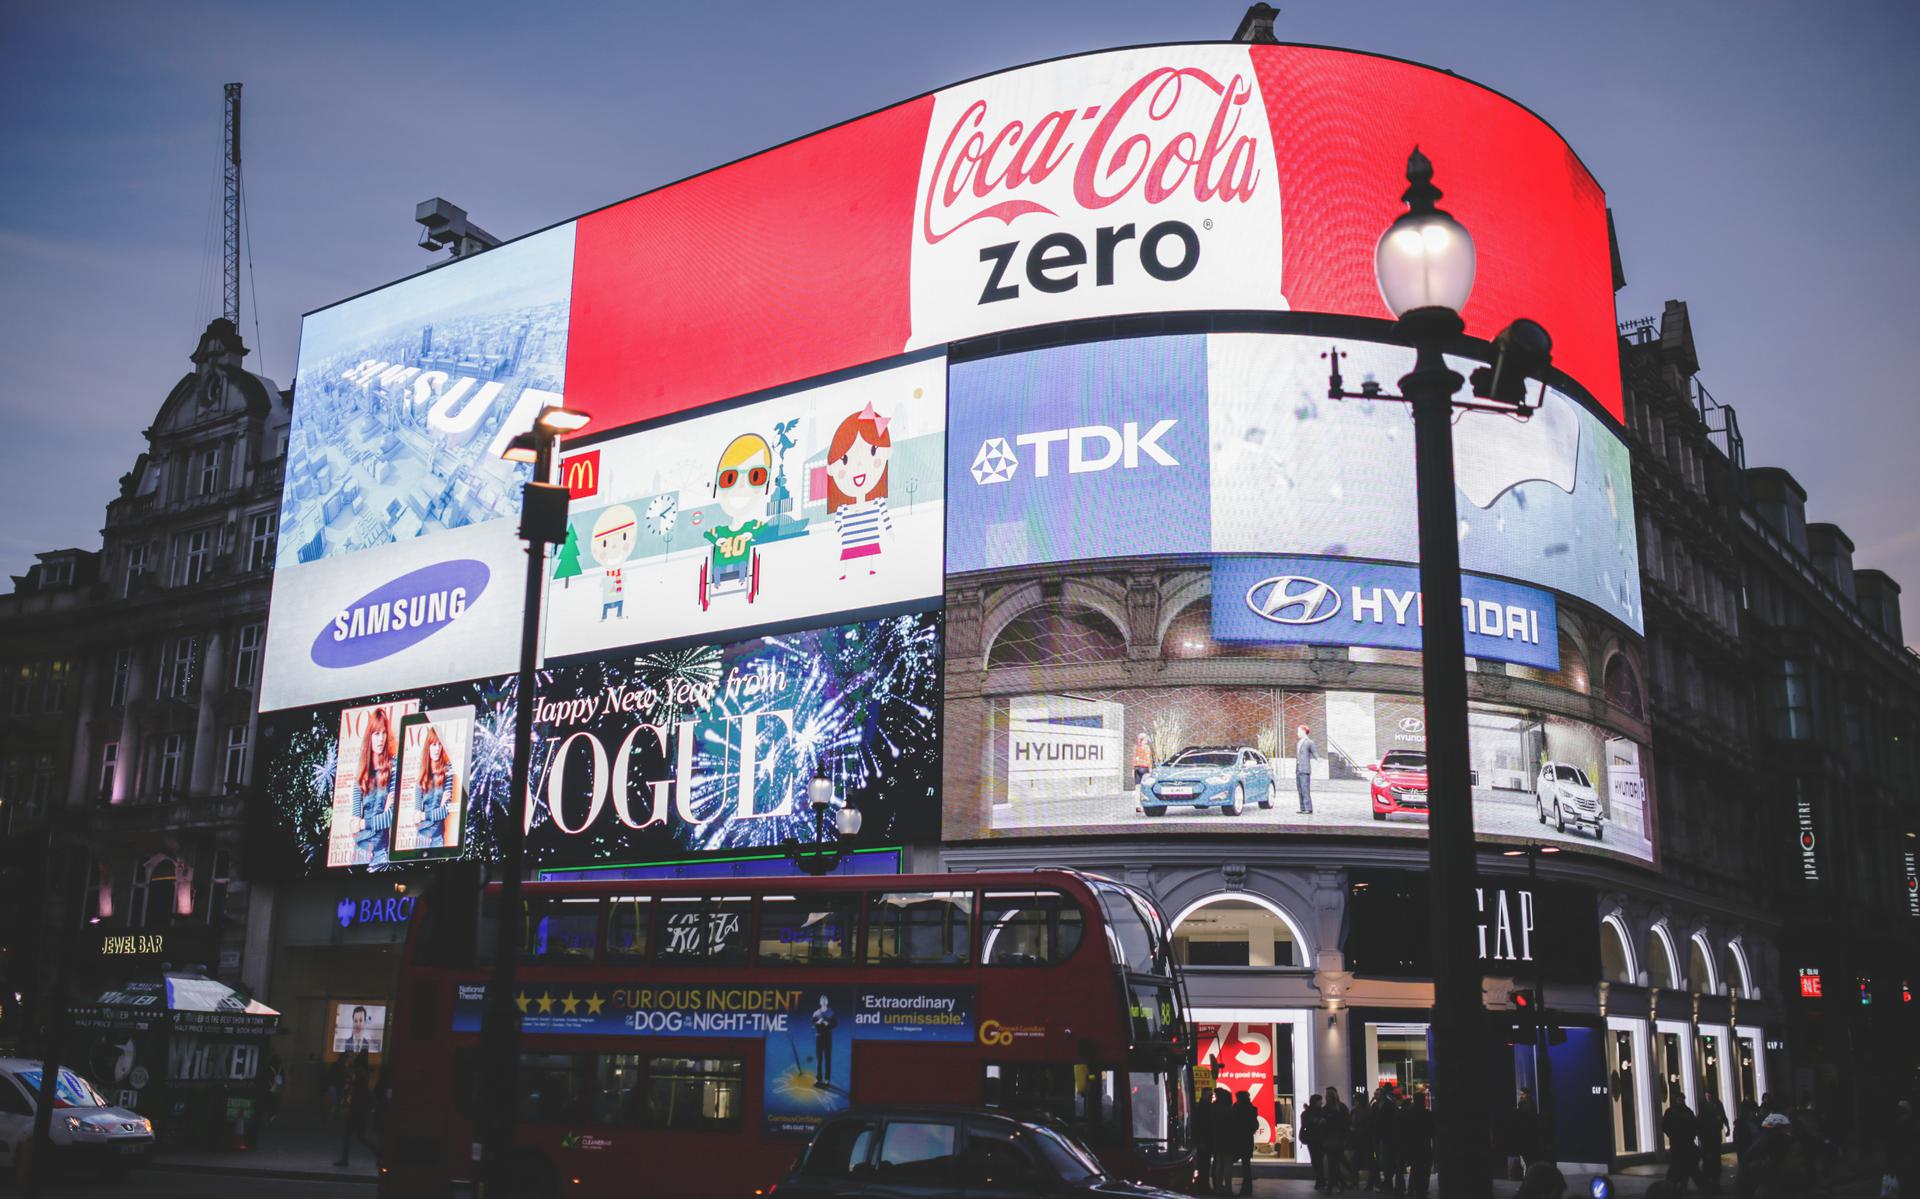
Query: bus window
1134, 930
709, 930
1080, 1096
918, 928
1155, 1014
1159, 1105
814, 931
562, 930
553, 1087
1028, 928
918, 1151
619, 1095
627, 928
695, 1093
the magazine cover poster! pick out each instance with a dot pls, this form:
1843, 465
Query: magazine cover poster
435, 752
366, 783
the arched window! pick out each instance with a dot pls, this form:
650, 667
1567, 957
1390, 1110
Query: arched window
1663, 965
1190, 635
1739, 974
153, 887
1237, 930
1700, 972
1622, 685
1616, 953
1057, 633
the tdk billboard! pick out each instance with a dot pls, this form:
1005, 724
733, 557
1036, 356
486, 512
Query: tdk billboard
1334, 601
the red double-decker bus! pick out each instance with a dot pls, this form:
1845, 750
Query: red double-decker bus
685, 1037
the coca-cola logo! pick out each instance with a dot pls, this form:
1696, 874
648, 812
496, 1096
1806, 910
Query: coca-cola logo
1148, 140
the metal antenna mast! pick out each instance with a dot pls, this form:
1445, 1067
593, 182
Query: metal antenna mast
231, 246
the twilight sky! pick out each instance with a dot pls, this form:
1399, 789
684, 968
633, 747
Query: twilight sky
1760, 159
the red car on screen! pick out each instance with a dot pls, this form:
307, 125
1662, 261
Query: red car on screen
1399, 784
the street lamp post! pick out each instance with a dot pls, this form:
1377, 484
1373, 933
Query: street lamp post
824, 855
543, 522
1425, 264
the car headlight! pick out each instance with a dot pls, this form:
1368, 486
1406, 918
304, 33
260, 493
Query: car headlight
1149, 777
75, 1124
1219, 779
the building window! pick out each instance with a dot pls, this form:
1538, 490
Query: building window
122, 675
109, 769
173, 749
235, 773
195, 559
42, 782
260, 535
153, 899
176, 669
23, 684
1057, 633
59, 672
210, 471
246, 657
217, 883
136, 568
1235, 932
56, 574
1790, 704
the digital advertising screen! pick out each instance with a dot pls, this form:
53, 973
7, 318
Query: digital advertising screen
1227, 443
435, 758
709, 748
824, 500
366, 783
357, 1027
1158, 760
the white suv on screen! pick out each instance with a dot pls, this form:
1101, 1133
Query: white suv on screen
1567, 793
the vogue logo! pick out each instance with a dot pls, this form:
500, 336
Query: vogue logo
1293, 599
1170, 131
400, 614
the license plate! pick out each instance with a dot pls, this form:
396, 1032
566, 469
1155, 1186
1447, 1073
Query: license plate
1177, 792
140, 1148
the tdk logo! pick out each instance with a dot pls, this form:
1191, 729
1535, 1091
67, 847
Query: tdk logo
1293, 599
1089, 448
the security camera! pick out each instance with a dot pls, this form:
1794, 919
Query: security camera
1522, 351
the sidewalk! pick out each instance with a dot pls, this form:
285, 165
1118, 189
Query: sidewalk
296, 1146
1634, 1180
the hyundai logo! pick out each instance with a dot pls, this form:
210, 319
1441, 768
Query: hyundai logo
1293, 599
1412, 724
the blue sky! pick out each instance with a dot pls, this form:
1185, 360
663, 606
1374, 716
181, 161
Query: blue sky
1759, 158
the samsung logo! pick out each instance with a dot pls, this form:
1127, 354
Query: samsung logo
400, 614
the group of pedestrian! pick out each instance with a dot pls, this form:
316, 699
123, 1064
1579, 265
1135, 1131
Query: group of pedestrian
1696, 1143
1384, 1143
1225, 1126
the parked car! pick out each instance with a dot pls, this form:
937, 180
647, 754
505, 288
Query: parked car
86, 1131
1203, 777
1399, 784
1569, 795
941, 1151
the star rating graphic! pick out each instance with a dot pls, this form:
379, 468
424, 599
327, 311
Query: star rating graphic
995, 463
570, 1003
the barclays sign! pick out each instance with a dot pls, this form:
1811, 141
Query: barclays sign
1335, 601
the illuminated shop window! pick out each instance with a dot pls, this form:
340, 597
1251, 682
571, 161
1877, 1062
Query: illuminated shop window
1235, 932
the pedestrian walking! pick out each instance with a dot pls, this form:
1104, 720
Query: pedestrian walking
1776, 1165
1519, 1136
1313, 1121
1360, 1138
1682, 1129
1746, 1130
1334, 1133
1203, 1143
1386, 1142
1304, 752
1246, 1127
1713, 1130
1224, 1138
1414, 1128
359, 1108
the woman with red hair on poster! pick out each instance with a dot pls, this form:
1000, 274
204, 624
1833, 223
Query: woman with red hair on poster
857, 487
436, 792
374, 790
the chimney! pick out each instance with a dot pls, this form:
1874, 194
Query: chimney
1257, 26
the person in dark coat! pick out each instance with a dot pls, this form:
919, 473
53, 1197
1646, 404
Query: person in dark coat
359, 1109
1713, 1131
1386, 1141
1203, 1143
1312, 1121
1682, 1129
1413, 1129
1333, 1134
1225, 1137
1360, 1138
1246, 1128
1521, 1135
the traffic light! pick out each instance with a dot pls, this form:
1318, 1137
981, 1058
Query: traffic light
1524, 1024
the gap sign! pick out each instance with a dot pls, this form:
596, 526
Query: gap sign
1337, 601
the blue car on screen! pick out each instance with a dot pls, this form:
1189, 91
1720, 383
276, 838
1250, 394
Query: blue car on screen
1202, 777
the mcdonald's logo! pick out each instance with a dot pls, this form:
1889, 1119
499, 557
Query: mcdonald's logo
581, 474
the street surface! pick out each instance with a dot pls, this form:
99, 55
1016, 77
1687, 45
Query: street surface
1340, 806
175, 1184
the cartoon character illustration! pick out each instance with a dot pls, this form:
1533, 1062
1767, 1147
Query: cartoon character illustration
374, 790
741, 484
612, 545
857, 487
436, 792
